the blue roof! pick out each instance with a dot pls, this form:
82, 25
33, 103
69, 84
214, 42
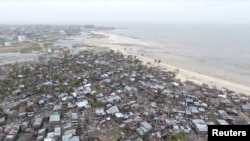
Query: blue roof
47, 83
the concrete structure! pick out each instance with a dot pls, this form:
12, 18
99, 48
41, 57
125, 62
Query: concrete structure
70, 137
100, 112
21, 38
112, 110
245, 108
57, 107
112, 99
74, 119
54, 119
200, 126
57, 132
144, 128
83, 104
38, 122
221, 122
7, 44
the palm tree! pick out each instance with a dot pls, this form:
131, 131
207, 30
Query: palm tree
211, 115
1, 111
117, 135
174, 95
33, 89
155, 61
159, 61
135, 57
46, 89
175, 72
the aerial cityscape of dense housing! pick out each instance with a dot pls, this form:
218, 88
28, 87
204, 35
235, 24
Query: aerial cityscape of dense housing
102, 94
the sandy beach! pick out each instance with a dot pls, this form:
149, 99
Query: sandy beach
138, 47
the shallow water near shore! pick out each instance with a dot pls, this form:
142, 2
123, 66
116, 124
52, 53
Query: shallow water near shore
221, 51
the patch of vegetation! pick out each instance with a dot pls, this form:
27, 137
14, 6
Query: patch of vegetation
82, 45
177, 137
93, 101
90, 47
52, 40
46, 45
1, 110
55, 47
97, 36
49, 39
30, 48
117, 134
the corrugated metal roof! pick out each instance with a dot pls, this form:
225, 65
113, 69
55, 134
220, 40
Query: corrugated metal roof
38, 121
74, 116
54, 118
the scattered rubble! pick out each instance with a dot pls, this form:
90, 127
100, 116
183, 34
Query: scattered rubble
108, 96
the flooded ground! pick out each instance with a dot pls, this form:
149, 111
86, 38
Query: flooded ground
13, 57
70, 41
16, 57
10, 58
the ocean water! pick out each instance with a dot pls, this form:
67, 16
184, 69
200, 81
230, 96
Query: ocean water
223, 47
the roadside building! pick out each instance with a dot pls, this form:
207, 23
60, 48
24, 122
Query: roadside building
21, 38
74, 119
38, 123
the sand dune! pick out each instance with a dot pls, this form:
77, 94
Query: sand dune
114, 42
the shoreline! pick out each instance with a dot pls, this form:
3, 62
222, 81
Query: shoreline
113, 41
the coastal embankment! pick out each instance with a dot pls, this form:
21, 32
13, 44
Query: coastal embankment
137, 47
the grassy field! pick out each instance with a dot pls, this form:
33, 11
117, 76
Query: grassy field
83, 45
50, 38
97, 36
46, 45
30, 48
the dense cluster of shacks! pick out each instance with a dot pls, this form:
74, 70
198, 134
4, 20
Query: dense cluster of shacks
109, 96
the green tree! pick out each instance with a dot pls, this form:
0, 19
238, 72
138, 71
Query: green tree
159, 61
1, 110
34, 90
177, 137
211, 115
173, 95
117, 134
155, 61
175, 73
98, 88
45, 89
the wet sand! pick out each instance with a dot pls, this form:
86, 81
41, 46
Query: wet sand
166, 52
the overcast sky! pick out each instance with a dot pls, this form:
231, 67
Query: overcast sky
110, 11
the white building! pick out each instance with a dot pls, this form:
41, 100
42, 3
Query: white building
49, 50
112, 110
100, 112
7, 44
83, 104
21, 38
62, 32
144, 128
